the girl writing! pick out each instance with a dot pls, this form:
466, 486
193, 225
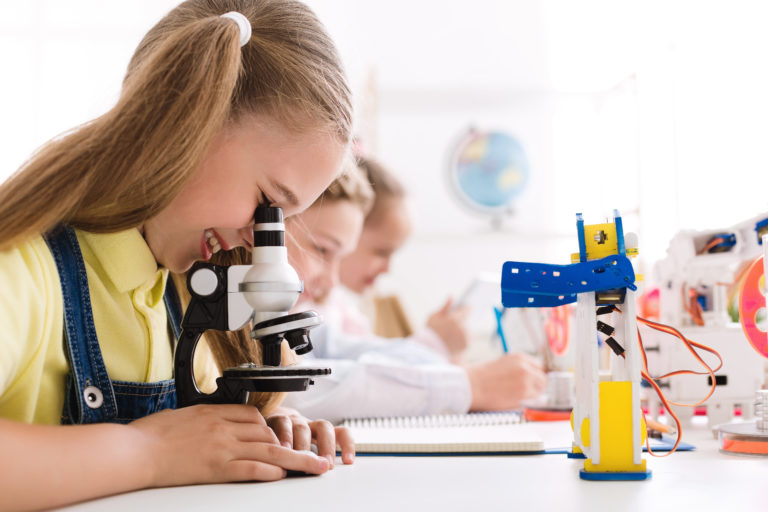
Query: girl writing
384, 377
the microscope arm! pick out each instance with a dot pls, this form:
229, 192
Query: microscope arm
186, 387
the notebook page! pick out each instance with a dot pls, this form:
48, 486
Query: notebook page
445, 434
438, 420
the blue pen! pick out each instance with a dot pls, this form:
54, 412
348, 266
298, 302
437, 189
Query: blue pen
499, 329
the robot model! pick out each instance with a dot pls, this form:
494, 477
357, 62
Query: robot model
227, 298
608, 424
703, 280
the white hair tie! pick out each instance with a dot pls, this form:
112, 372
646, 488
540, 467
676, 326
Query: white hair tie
243, 23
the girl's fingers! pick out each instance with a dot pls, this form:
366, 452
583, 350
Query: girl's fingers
255, 433
302, 434
283, 429
325, 438
249, 470
460, 313
282, 457
346, 444
531, 361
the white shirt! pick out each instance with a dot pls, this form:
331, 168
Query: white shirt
373, 376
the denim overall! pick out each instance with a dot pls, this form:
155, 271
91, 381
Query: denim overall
91, 397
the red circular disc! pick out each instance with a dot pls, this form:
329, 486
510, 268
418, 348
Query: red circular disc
752, 300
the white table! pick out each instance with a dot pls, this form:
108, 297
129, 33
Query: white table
702, 480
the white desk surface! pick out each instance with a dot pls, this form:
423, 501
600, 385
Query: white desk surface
701, 480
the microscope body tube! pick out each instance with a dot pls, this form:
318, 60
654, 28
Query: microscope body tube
270, 265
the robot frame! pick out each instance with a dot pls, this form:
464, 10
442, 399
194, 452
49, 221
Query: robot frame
607, 419
700, 278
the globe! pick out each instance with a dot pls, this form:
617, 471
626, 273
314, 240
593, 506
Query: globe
488, 170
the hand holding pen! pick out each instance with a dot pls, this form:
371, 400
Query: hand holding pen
506, 381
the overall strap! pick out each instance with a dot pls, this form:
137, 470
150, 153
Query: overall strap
173, 307
90, 395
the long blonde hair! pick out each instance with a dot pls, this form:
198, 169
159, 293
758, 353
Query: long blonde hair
385, 186
352, 185
187, 79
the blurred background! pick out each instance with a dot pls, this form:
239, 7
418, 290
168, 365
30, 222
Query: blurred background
655, 108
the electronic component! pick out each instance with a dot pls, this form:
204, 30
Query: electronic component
700, 295
751, 438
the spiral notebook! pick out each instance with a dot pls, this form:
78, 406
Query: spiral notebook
457, 434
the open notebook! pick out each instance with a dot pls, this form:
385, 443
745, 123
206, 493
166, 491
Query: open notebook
491, 433
446, 434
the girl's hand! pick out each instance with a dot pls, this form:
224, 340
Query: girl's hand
218, 443
297, 432
504, 382
449, 322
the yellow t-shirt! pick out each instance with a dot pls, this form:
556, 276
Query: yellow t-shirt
126, 290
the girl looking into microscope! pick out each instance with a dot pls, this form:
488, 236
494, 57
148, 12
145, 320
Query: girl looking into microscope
374, 376
217, 115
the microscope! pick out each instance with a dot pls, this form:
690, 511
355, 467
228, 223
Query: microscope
226, 298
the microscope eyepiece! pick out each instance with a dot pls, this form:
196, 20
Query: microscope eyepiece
268, 214
268, 227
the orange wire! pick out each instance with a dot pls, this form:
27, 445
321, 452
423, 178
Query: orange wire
664, 402
668, 407
691, 346
652, 382
663, 399
642, 349
695, 308
715, 241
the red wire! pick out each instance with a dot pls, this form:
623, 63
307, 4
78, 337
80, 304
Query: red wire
664, 402
652, 382
667, 406
695, 308
715, 241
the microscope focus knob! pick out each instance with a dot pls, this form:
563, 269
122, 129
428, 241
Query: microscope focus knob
299, 341
203, 282
270, 350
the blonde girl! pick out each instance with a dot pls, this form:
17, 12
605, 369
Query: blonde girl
326, 232
211, 122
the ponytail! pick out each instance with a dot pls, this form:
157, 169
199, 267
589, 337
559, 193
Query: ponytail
126, 166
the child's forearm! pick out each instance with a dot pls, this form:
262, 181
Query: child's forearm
47, 466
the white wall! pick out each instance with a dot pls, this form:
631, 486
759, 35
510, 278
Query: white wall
656, 108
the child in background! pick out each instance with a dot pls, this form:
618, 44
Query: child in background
387, 227
226, 105
384, 377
